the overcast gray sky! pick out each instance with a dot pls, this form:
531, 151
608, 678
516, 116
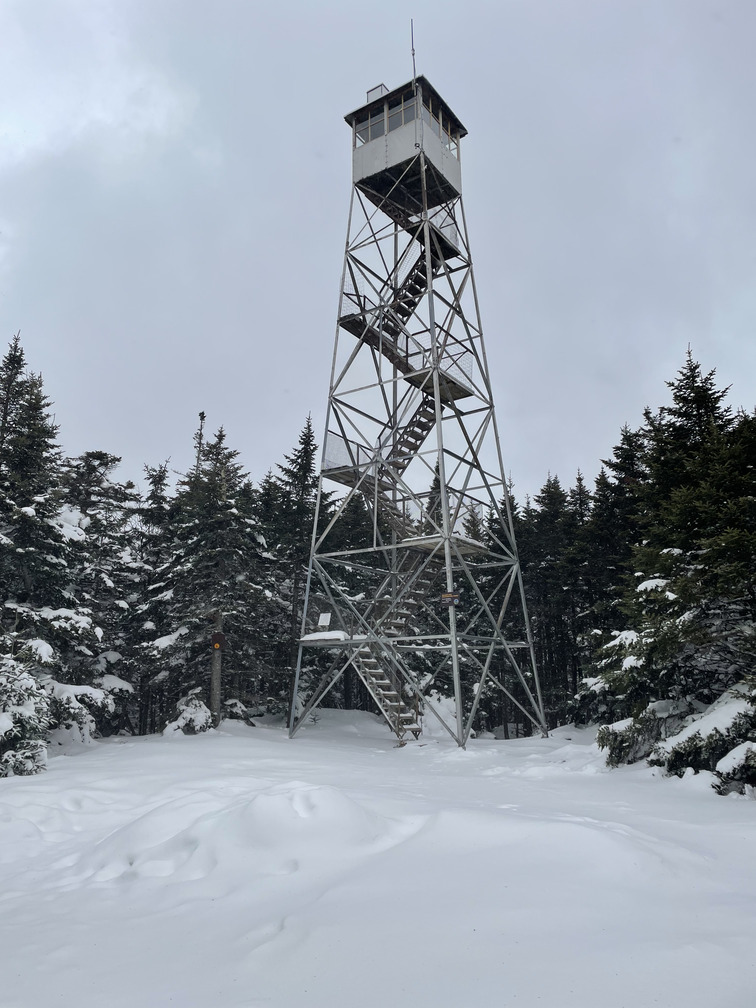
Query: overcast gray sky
174, 187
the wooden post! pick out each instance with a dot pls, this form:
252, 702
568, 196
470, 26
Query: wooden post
216, 667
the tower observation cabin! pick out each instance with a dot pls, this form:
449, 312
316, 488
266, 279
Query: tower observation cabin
414, 587
387, 135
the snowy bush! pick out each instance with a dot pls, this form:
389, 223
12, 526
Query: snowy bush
693, 658
192, 715
236, 711
630, 740
701, 751
679, 738
24, 719
113, 717
73, 709
720, 740
24, 759
621, 689
737, 770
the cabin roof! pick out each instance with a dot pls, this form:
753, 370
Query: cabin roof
358, 115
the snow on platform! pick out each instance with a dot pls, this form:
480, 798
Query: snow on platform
240, 869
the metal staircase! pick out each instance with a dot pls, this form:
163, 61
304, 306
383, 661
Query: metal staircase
383, 326
396, 448
413, 435
393, 619
386, 692
397, 622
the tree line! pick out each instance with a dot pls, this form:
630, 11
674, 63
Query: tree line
641, 589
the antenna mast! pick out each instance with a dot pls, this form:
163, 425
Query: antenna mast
412, 36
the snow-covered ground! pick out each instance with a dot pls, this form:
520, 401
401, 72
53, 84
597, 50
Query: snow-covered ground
240, 869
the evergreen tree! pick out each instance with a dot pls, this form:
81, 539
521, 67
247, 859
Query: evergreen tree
608, 538
291, 533
498, 713
545, 536
675, 435
268, 500
24, 719
147, 616
105, 570
474, 526
687, 634
44, 629
212, 582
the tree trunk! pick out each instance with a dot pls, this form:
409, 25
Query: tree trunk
216, 670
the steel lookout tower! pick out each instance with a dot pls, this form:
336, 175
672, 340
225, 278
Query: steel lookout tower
426, 598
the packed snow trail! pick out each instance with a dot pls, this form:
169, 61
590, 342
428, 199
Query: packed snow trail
241, 869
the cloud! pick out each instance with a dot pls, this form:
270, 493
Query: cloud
74, 78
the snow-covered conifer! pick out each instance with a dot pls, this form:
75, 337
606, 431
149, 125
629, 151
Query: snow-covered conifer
42, 622
211, 579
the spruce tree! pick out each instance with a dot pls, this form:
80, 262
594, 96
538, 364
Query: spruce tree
44, 629
105, 571
213, 581
291, 534
548, 578
676, 435
24, 718
686, 635
148, 607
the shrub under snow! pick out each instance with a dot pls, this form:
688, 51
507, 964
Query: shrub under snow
717, 740
24, 718
720, 739
192, 715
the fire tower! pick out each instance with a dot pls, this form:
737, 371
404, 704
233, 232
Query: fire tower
430, 595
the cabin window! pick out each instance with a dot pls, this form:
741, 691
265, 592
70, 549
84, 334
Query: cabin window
401, 110
377, 124
432, 115
438, 120
395, 118
371, 128
362, 132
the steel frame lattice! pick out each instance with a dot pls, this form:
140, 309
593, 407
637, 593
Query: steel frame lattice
411, 432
